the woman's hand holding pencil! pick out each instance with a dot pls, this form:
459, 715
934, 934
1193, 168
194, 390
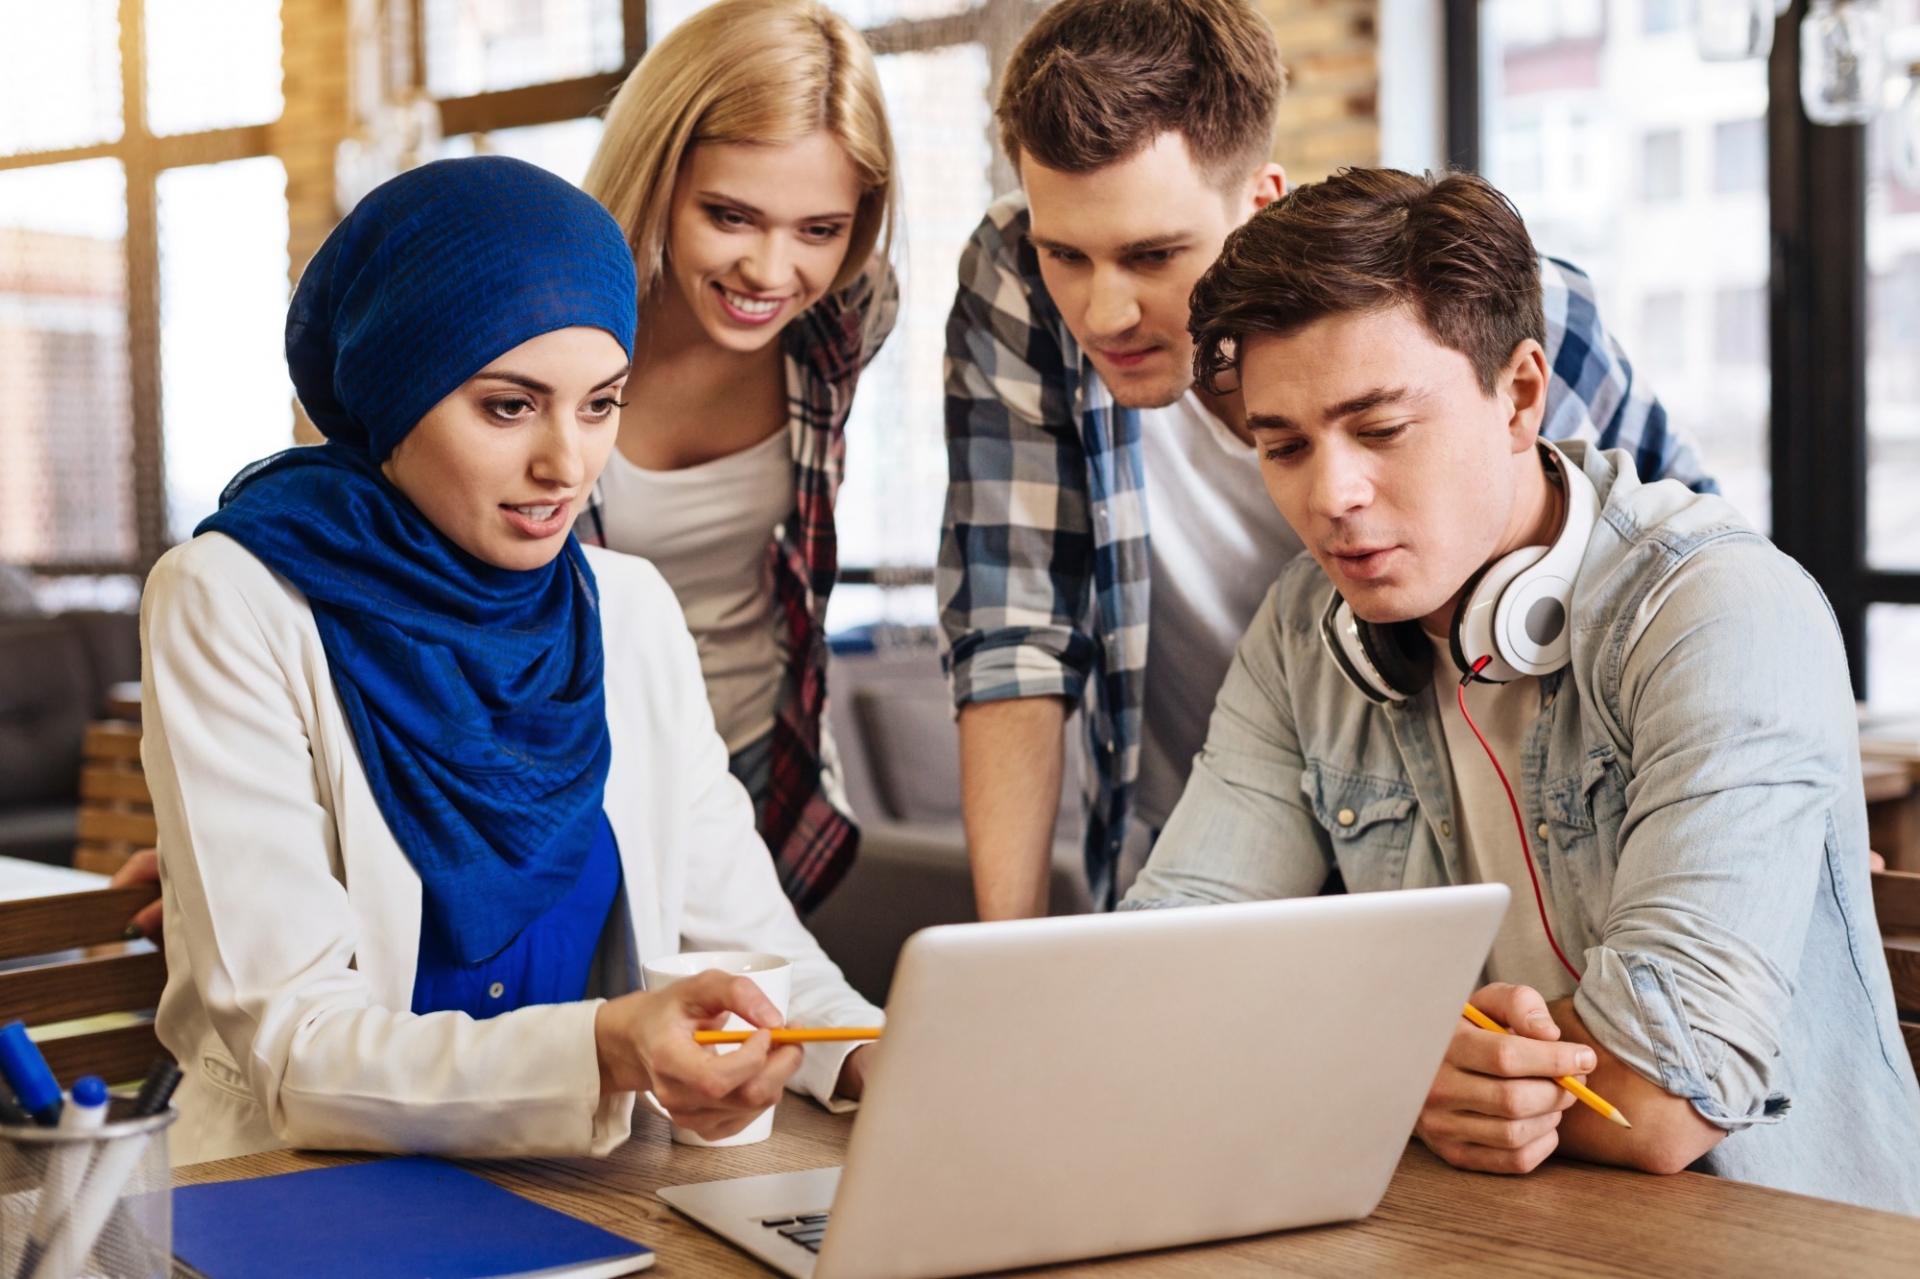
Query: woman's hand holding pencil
792, 1035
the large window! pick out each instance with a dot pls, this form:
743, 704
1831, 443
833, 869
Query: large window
143, 235
1763, 271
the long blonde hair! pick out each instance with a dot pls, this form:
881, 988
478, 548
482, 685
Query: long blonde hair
754, 71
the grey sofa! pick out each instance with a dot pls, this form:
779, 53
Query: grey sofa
900, 753
54, 676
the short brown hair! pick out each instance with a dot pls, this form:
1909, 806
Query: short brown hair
1096, 81
1451, 247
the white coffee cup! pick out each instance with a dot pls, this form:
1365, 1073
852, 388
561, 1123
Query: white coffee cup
773, 974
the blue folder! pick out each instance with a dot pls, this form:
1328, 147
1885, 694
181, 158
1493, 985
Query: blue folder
410, 1218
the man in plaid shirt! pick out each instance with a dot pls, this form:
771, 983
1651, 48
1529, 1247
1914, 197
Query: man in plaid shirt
1142, 130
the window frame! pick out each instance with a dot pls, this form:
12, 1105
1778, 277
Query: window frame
143, 155
1817, 322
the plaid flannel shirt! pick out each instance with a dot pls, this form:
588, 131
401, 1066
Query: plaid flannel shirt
1044, 563
812, 838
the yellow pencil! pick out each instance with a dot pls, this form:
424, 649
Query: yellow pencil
796, 1035
1567, 1082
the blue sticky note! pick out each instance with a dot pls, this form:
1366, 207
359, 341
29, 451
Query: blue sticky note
412, 1218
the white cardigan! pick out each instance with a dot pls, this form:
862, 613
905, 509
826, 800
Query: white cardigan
293, 918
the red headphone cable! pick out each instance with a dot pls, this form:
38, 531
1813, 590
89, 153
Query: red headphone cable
1519, 824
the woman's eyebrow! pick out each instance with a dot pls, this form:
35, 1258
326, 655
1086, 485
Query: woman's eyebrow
518, 379
541, 388
721, 197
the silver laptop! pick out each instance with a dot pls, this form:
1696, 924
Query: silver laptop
1055, 1089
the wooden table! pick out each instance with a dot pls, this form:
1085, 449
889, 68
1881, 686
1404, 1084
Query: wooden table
1566, 1219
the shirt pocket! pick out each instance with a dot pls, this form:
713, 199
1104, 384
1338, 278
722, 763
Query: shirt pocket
1368, 819
1584, 814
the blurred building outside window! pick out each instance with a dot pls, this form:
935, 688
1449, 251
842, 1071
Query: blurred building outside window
59, 74
1663, 322
565, 147
1652, 181
225, 395
1740, 325
65, 423
1740, 156
1893, 350
1663, 166
481, 46
211, 64
1661, 16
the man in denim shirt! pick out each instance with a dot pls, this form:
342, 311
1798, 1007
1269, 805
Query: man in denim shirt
1689, 781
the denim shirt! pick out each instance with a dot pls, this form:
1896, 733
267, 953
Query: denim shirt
1691, 791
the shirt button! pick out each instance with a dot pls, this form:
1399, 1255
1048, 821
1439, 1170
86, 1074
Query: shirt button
499, 988
1344, 817
1446, 829
1541, 830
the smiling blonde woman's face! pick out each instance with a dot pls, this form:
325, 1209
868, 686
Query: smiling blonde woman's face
757, 235
505, 463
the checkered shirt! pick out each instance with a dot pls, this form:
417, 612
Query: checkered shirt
1044, 564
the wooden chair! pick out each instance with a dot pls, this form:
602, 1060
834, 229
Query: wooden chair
80, 967
1896, 900
1893, 811
116, 810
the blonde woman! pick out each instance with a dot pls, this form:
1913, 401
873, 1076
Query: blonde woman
749, 161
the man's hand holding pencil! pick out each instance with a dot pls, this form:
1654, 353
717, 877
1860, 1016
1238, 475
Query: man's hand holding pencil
1495, 1106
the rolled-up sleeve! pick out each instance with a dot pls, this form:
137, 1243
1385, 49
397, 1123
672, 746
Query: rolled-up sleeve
1734, 696
1016, 543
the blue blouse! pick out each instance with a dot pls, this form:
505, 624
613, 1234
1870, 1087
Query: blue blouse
548, 963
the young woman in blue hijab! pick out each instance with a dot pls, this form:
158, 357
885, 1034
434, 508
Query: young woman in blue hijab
432, 779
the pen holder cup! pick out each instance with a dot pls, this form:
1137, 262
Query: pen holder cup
95, 1204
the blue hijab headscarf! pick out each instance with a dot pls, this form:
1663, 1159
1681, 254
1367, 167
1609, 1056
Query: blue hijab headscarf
474, 692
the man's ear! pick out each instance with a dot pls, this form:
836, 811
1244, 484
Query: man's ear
1522, 389
1269, 183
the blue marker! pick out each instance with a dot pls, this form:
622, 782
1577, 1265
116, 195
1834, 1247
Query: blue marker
27, 1074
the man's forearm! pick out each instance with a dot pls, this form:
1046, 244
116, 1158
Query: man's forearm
1667, 1133
1010, 762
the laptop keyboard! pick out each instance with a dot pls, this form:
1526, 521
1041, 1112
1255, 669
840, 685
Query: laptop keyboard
806, 1229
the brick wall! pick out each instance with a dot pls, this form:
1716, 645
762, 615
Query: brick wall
314, 67
1330, 116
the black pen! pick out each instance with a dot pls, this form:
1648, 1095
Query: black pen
156, 1090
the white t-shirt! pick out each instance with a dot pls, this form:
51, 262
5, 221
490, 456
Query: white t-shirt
707, 529
1489, 843
1218, 543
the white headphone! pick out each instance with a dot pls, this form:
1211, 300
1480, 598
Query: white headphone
1515, 611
